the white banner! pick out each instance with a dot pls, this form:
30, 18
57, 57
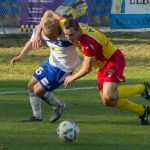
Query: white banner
131, 14
130, 7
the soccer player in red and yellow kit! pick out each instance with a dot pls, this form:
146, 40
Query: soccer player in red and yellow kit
100, 53
109, 62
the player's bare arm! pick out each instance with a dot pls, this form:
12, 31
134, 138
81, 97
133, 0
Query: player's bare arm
27, 48
48, 14
52, 14
85, 69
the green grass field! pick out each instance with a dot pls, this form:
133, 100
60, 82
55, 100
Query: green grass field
101, 128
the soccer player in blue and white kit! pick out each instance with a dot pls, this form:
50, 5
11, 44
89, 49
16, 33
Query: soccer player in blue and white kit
51, 74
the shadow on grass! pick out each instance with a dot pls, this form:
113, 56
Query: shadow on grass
10, 84
129, 38
14, 40
142, 61
82, 99
125, 38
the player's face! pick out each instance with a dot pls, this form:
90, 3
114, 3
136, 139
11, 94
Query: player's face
72, 35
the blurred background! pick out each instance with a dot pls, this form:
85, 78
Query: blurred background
23, 15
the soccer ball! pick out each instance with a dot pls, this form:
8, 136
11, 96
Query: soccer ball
67, 131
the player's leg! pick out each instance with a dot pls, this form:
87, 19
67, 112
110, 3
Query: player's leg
35, 102
111, 98
50, 78
130, 90
58, 105
49, 98
115, 96
113, 72
146, 93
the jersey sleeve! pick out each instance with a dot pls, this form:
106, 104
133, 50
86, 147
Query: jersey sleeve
33, 33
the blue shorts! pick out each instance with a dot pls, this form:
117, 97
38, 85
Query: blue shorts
50, 77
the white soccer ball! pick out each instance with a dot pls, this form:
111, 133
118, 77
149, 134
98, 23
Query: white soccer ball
67, 131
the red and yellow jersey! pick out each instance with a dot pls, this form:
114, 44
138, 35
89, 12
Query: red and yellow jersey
94, 43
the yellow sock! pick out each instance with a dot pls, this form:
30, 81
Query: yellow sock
126, 91
125, 104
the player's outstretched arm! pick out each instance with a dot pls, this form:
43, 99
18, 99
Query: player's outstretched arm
27, 48
85, 69
48, 14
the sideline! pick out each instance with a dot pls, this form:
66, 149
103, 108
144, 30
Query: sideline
71, 89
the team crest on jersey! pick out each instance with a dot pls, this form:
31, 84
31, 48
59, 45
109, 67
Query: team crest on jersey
53, 48
90, 46
86, 47
110, 72
45, 81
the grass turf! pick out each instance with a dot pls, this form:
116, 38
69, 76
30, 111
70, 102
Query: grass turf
100, 127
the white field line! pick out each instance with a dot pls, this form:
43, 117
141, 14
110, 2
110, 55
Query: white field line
71, 89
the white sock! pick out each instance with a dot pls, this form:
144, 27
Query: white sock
49, 98
36, 105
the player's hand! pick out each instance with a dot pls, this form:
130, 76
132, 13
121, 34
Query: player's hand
68, 80
36, 42
15, 59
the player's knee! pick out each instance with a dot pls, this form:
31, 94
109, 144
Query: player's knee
39, 92
30, 87
109, 101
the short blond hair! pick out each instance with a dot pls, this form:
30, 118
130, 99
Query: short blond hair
49, 26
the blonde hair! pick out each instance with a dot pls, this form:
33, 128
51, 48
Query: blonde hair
49, 26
